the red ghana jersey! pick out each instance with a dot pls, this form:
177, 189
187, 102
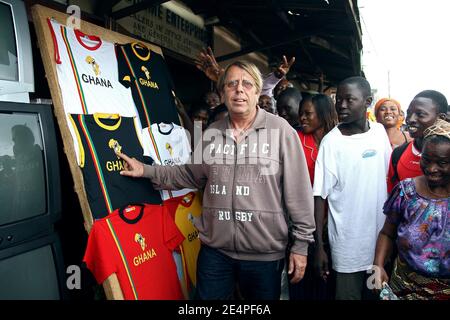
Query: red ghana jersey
136, 243
408, 166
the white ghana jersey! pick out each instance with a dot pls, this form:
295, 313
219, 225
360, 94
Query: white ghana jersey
168, 145
88, 74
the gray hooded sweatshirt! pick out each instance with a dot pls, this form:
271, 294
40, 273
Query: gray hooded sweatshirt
256, 192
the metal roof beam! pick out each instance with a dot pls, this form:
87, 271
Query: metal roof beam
259, 48
355, 22
321, 42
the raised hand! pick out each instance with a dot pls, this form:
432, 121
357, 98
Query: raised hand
206, 62
285, 66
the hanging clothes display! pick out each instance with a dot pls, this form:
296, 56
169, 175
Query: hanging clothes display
88, 73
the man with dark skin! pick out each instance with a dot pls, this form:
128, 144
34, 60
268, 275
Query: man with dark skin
350, 173
423, 111
288, 104
265, 102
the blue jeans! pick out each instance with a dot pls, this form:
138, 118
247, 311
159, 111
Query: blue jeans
217, 275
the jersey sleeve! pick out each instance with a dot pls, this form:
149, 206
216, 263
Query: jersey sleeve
52, 25
78, 145
391, 182
149, 146
125, 76
166, 72
172, 235
99, 255
325, 175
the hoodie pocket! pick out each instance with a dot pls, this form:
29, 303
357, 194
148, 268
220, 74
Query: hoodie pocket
267, 232
216, 228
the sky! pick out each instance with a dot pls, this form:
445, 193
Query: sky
409, 41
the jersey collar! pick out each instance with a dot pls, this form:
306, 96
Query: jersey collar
81, 38
140, 46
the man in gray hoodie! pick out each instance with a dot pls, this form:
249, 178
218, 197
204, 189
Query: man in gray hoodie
257, 195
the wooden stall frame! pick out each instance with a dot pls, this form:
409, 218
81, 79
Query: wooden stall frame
45, 42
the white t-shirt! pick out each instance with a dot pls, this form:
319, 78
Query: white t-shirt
88, 75
168, 145
351, 173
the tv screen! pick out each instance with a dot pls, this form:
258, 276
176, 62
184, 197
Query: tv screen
8, 55
22, 169
29, 172
16, 56
32, 270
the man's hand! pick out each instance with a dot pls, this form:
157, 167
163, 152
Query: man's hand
133, 168
297, 266
284, 67
321, 263
207, 63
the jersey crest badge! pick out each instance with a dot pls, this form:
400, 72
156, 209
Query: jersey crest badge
114, 144
147, 73
169, 148
90, 60
138, 238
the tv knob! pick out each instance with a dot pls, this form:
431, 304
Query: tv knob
9, 238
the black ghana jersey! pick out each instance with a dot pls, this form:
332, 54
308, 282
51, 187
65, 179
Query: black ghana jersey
99, 135
147, 74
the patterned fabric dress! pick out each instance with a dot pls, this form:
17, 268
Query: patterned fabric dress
422, 268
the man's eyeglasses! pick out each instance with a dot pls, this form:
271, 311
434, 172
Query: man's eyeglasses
233, 84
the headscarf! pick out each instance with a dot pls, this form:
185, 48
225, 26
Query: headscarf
439, 128
382, 101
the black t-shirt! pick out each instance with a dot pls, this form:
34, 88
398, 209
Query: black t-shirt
146, 73
106, 189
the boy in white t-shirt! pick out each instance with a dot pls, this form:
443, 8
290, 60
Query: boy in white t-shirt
350, 174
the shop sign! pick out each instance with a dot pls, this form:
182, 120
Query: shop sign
165, 28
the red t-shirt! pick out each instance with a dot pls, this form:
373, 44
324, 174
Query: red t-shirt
408, 166
310, 150
136, 243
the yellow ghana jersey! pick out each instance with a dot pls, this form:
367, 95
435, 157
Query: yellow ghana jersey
99, 137
146, 73
168, 145
189, 206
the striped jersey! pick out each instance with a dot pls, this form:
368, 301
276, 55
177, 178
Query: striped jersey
168, 145
99, 136
146, 73
136, 243
88, 73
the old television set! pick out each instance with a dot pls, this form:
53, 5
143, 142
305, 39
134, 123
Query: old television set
16, 59
33, 270
30, 195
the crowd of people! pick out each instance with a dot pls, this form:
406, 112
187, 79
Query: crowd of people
350, 206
